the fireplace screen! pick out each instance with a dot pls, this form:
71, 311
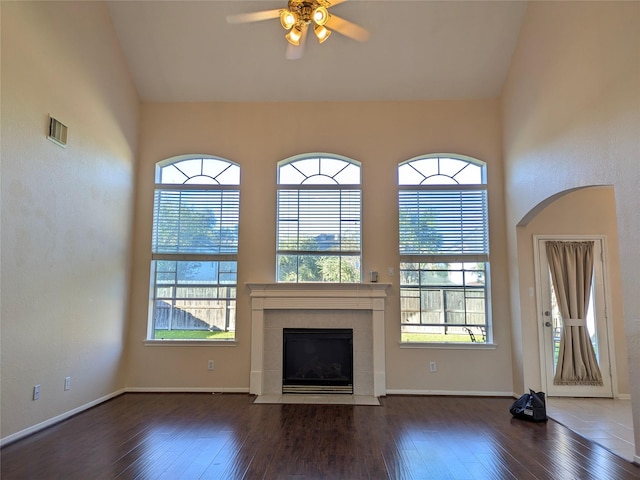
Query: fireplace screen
317, 360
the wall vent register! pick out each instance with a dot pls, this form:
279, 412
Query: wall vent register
57, 132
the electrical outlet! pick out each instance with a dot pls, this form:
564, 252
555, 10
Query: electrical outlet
433, 367
36, 392
211, 365
67, 383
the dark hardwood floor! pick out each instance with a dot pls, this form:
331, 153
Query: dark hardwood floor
203, 436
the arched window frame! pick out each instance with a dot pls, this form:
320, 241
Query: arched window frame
444, 250
319, 213
194, 249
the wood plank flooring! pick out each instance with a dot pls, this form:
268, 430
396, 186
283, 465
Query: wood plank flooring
202, 436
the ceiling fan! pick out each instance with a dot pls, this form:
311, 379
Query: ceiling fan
299, 16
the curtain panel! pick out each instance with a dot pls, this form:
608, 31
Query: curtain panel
571, 266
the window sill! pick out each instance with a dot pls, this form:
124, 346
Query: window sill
450, 346
190, 343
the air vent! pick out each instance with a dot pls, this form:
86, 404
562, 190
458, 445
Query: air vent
57, 132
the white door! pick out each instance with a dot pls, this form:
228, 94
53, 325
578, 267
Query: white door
551, 324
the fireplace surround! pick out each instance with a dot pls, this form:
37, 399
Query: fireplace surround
276, 306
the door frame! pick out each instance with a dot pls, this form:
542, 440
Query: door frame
540, 318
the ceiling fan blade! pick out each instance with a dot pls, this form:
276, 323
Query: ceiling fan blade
347, 28
335, 2
295, 52
253, 16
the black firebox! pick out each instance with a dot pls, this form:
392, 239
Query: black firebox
317, 360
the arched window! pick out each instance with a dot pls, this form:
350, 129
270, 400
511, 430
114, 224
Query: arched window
319, 208
194, 249
444, 250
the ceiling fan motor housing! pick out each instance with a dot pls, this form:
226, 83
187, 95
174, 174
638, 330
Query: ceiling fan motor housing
305, 10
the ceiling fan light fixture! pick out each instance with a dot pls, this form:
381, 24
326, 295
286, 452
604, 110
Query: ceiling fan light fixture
294, 35
321, 33
320, 15
287, 19
299, 16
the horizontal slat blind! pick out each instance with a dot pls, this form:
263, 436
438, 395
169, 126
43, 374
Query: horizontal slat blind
319, 220
443, 222
196, 221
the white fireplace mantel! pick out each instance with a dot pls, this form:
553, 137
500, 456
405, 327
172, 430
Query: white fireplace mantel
317, 296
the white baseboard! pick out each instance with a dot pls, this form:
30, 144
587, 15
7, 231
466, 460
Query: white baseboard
449, 393
186, 390
58, 418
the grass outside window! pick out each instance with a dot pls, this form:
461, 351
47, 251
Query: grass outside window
193, 335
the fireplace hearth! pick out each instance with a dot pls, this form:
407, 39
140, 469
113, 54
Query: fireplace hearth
317, 360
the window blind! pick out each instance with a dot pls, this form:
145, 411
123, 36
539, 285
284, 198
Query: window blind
443, 222
319, 220
196, 221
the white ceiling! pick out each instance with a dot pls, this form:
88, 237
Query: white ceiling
185, 51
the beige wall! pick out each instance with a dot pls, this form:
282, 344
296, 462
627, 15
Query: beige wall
66, 213
571, 117
379, 135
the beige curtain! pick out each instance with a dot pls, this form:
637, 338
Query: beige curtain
571, 265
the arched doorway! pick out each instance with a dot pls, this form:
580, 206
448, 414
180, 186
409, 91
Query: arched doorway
588, 212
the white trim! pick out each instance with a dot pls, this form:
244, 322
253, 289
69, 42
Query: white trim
450, 346
64, 416
212, 390
190, 343
58, 418
317, 296
279, 295
539, 310
451, 393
